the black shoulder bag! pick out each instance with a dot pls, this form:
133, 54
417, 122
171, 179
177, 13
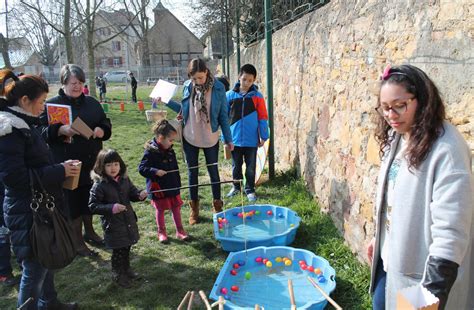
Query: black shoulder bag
51, 235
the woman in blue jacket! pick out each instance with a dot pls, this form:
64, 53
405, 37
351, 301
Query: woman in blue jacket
203, 110
23, 149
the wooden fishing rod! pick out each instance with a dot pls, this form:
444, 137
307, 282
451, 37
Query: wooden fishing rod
195, 185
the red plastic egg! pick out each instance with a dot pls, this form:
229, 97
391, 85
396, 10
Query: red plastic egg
269, 212
224, 291
302, 262
233, 272
234, 288
304, 266
310, 268
264, 261
236, 266
258, 259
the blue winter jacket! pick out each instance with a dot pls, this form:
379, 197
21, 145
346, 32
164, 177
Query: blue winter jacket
248, 116
22, 149
219, 112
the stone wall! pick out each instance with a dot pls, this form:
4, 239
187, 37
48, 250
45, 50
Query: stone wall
326, 67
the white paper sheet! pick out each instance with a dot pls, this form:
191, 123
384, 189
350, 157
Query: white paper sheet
164, 90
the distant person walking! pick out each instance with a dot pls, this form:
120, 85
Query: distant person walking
102, 88
85, 90
134, 84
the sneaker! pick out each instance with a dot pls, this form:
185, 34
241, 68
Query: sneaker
163, 237
182, 236
233, 192
252, 197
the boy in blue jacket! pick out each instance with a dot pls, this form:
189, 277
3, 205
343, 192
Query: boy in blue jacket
249, 128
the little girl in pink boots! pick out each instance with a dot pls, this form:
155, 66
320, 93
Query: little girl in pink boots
160, 168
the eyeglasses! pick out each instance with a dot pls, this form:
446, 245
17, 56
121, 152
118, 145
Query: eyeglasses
398, 108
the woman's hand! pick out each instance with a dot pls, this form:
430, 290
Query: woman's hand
230, 146
261, 143
71, 167
66, 130
161, 173
98, 132
143, 195
370, 251
117, 208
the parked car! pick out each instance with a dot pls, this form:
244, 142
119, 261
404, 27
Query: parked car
152, 80
175, 79
116, 76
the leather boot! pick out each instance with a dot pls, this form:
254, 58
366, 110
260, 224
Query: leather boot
217, 204
194, 214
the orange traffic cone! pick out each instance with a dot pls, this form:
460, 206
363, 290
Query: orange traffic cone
122, 107
141, 106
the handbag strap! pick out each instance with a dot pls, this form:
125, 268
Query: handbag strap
38, 196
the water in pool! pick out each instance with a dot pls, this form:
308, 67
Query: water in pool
269, 287
255, 229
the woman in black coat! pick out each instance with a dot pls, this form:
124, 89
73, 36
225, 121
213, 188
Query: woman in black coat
23, 149
66, 143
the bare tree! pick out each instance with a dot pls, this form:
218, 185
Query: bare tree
42, 36
141, 28
87, 10
65, 23
4, 50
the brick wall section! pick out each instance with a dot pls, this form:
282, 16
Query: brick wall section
326, 65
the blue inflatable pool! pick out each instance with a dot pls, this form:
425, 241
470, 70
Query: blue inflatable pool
255, 225
260, 276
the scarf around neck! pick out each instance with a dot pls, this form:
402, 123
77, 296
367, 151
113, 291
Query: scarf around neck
199, 100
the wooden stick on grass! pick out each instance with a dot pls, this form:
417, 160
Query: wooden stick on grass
292, 294
324, 294
204, 299
181, 304
191, 297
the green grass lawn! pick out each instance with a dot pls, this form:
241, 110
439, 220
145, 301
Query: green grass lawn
171, 270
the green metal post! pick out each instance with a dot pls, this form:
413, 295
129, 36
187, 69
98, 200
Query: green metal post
237, 28
268, 44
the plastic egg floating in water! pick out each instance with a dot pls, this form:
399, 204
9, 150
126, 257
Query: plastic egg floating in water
257, 212
224, 291
269, 212
258, 259
292, 225
269, 264
278, 259
241, 262
317, 271
233, 272
321, 279
236, 266
287, 262
248, 275
310, 268
280, 215
234, 288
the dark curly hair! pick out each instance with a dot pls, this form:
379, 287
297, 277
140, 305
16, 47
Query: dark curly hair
429, 115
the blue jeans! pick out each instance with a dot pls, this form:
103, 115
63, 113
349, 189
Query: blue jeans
378, 298
192, 157
36, 282
249, 155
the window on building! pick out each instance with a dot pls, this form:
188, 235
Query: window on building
104, 61
117, 61
116, 46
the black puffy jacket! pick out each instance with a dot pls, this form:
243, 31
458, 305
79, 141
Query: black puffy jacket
121, 229
22, 148
85, 150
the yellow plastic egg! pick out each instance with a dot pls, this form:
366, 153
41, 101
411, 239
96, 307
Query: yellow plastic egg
278, 259
287, 262
269, 264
